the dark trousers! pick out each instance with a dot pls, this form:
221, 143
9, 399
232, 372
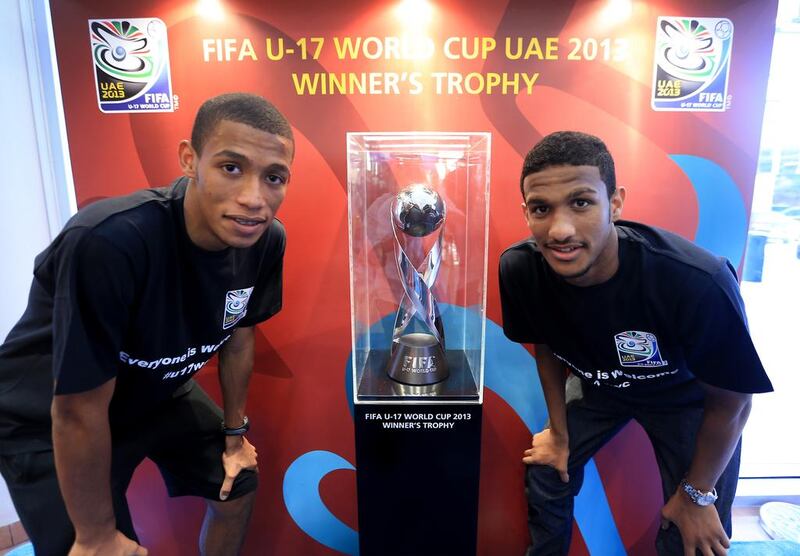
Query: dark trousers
33, 486
183, 439
593, 418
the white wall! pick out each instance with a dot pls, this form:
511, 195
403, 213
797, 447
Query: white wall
24, 224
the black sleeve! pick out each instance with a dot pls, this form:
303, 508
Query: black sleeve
717, 343
94, 292
267, 297
517, 298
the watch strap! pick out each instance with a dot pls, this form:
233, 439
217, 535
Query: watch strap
236, 431
698, 496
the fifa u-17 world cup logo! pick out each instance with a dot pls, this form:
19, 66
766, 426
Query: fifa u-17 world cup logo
636, 348
131, 65
235, 306
691, 63
417, 353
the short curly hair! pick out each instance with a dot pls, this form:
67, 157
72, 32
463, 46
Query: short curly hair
243, 108
570, 148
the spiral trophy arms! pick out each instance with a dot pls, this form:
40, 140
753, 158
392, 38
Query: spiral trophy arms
418, 358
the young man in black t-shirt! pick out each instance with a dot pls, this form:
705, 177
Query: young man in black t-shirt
131, 299
648, 327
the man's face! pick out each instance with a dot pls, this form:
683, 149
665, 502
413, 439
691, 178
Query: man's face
571, 218
238, 183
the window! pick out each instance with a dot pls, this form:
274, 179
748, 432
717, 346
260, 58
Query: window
771, 273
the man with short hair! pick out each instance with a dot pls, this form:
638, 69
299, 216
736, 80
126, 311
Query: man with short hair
131, 299
651, 328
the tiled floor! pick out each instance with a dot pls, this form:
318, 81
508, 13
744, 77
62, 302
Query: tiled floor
11, 536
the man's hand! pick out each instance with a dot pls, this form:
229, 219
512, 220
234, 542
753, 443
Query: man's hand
239, 454
699, 526
115, 544
549, 448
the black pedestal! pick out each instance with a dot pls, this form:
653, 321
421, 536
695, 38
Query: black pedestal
417, 474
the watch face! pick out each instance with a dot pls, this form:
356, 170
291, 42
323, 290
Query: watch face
699, 497
706, 499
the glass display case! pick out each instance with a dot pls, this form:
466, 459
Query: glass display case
418, 220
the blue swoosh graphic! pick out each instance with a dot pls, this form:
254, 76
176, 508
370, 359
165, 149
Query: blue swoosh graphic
305, 506
722, 218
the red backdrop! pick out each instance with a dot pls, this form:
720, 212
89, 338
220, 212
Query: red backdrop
298, 401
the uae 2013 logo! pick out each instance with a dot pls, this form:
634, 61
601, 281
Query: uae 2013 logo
131, 65
691, 63
235, 306
638, 349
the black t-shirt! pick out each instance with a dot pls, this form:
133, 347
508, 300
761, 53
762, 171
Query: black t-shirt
123, 292
672, 314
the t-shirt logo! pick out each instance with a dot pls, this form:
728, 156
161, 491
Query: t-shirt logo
235, 306
638, 349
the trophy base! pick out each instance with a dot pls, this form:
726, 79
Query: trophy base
417, 359
376, 386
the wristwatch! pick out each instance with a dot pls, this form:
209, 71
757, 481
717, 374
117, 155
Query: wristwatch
698, 496
237, 431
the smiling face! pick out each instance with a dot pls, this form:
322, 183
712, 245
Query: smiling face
568, 211
237, 183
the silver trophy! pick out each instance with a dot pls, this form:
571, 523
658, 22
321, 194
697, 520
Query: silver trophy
418, 357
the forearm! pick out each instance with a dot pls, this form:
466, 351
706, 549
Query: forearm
553, 378
82, 447
700, 527
724, 418
235, 368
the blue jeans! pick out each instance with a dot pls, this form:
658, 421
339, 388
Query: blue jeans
593, 418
